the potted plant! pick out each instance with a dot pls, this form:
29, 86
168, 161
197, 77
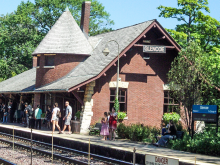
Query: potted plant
121, 116
78, 114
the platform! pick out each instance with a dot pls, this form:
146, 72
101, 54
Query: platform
124, 146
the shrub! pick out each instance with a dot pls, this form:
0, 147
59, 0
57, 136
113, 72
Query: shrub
171, 116
121, 115
137, 132
207, 143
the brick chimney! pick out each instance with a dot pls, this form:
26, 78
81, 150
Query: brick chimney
34, 58
84, 25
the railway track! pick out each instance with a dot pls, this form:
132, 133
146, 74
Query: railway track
62, 154
5, 162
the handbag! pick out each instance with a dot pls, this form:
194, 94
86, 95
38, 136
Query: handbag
5, 114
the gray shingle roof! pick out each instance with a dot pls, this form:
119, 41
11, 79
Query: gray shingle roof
64, 37
94, 64
24, 82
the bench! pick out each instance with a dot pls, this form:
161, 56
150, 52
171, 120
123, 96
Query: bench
95, 129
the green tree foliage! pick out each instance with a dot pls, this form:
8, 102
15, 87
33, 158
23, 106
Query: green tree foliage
188, 82
116, 105
22, 30
195, 25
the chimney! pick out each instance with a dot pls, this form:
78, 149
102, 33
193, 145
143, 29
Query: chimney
34, 58
84, 25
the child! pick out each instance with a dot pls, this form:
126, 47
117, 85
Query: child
104, 129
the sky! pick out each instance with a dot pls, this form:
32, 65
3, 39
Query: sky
129, 12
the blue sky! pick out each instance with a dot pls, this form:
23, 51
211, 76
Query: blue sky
129, 12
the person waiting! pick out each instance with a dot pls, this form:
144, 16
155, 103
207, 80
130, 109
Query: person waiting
167, 135
37, 114
5, 113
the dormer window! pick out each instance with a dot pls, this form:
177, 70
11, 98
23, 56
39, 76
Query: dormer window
49, 60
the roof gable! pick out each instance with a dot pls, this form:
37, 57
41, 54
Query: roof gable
64, 37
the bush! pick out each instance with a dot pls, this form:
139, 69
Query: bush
121, 115
137, 132
207, 143
171, 116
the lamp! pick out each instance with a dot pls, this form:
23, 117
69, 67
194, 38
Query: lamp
106, 52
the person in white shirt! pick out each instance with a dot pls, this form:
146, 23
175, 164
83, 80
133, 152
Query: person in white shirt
54, 118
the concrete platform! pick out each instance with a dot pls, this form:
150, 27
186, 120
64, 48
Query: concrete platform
119, 148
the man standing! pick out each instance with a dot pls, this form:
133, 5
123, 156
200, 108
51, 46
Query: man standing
67, 117
27, 111
37, 114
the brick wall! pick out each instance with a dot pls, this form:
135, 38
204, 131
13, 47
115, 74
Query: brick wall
85, 15
145, 95
34, 58
36, 100
63, 65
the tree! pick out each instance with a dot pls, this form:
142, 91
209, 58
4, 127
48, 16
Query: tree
189, 84
195, 24
46, 12
23, 30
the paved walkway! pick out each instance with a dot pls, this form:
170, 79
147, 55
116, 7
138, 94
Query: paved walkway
129, 146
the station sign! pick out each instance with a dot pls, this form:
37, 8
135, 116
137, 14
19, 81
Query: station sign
206, 113
160, 160
154, 49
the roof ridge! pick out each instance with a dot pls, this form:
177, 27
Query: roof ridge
124, 27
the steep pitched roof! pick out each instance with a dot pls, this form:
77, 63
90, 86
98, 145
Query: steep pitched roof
64, 37
24, 82
95, 64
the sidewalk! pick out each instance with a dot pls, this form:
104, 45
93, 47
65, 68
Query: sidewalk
127, 145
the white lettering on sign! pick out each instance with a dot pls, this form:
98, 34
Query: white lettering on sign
154, 49
203, 107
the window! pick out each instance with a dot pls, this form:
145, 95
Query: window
122, 98
170, 104
146, 56
38, 61
49, 60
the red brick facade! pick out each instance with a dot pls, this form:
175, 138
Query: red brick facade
63, 64
145, 95
36, 100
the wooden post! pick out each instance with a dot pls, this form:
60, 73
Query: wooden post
195, 160
89, 153
31, 146
52, 148
13, 139
134, 156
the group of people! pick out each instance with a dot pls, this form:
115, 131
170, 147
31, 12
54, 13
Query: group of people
109, 125
7, 112
32, 118
167, 134
56, 114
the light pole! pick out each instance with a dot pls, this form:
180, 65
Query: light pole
106, 52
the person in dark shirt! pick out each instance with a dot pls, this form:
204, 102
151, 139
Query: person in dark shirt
27, 111
167, 135
5, 113
48, 116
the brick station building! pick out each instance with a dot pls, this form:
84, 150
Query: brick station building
70, 65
